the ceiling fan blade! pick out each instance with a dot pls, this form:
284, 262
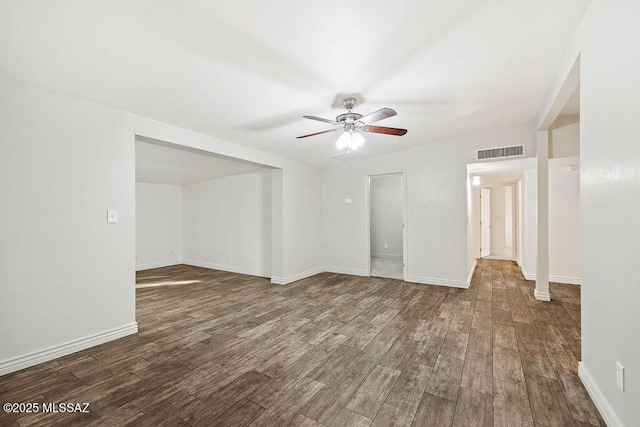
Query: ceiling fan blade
317, 133
382, 113
320, 119
384, 130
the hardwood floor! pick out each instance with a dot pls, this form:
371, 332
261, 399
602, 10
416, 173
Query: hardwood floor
217, 348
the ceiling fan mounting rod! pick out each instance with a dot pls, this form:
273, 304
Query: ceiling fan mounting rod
349, 117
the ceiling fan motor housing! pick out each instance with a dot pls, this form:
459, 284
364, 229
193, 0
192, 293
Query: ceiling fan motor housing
348, 117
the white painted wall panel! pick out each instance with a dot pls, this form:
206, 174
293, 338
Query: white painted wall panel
302, 221
565, 141
158, 225
529, 229
227, 223
498, 212
610, 201
508, 216
65, 273
564, 223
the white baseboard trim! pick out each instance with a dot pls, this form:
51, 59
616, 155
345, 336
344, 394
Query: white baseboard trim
555, 279
296, 277
473, 269
606, 411
501, 253
566, 280
541, 296
528, 276
158, 264
501, 257
349, 271
391, 256
438, 282
338, 270
53, 352
229, 268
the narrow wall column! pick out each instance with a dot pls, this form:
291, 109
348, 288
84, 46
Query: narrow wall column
277, 246
542, 270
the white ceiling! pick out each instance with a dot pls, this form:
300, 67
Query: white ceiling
158, 162
245, 71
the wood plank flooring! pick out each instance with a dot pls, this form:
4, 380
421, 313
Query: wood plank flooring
217, 348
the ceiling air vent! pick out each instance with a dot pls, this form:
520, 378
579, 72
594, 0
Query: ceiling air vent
492, 153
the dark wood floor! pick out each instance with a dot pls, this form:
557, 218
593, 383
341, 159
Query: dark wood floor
218, 348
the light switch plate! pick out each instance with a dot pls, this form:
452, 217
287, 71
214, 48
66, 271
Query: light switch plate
112, 217
348, 201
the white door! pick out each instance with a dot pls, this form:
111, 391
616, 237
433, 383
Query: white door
485, 222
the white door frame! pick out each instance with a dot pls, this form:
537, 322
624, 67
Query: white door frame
367, 221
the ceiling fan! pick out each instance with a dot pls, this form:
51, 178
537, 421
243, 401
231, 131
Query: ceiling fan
351, 124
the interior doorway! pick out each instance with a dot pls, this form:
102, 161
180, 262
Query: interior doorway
386, 225
204, 209
497, 222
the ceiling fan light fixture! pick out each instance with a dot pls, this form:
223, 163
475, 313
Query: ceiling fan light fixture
350, 139
352, 124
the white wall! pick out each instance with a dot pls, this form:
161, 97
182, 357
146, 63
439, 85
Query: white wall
520, 221
473, 224
65, 274
529, 224
302, 223
609, 42
386, 199
67, 278
516, 218
565, 141
564, 224
508, 217
437, 206
227, 223
498, 246
158, 225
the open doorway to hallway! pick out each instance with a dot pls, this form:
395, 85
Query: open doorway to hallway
495, 208
386, 225
497, 237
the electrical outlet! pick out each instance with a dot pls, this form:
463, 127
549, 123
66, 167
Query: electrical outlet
386, 246
620, 375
